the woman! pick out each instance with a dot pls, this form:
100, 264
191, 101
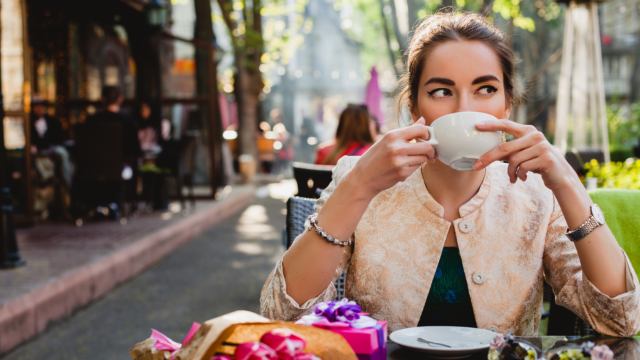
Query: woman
353, 136
152, 130
502, 227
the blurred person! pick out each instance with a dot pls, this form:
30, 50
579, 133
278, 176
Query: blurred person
353, 136
110, 194
154, 134
152, 130
112, 100
46, 131
47, 137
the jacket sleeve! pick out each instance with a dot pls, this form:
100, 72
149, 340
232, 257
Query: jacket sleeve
617, 316
275, 302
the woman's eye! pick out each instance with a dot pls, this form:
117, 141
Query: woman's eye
487, 90
440, 93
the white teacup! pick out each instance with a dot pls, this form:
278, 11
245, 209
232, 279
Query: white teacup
457, 141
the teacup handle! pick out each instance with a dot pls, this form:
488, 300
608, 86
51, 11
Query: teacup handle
432, 137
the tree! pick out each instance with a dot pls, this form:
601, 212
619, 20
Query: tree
245, 31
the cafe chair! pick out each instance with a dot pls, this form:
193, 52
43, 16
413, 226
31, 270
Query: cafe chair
179, 157
310, 178
298, 209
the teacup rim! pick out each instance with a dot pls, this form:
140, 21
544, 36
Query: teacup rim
462, 112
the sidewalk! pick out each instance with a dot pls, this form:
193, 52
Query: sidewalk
69, 266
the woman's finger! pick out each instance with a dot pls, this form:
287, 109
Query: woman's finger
505, 150
416, 131
532, 165
515, 160
508, 126
416, 160
420, 148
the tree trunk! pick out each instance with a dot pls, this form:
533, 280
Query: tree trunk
412, 11
247, 105
211, 141
387, 36
402, 39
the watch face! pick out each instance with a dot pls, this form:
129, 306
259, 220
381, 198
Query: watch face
598, 214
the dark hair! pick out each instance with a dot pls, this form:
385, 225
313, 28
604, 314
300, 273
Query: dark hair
110, 94
451, 25
352, 126
155, 115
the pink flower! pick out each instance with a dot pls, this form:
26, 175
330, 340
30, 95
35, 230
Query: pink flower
222, 357
497, 343
601, 352
285, 342
254, 351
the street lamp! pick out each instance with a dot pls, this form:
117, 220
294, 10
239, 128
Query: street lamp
156, 14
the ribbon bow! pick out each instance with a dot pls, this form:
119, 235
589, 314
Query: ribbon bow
341, 314
165, 344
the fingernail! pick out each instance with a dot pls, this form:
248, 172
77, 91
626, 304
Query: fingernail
421, 118
477, 165
481, 123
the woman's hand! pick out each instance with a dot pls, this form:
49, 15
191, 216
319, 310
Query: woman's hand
530, 151
393, 158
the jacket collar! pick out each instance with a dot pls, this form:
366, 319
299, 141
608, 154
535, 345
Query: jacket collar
416, 182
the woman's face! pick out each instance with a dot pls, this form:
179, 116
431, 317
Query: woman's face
461, 76
145, 111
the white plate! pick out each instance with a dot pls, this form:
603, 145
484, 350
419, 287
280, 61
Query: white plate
463, 341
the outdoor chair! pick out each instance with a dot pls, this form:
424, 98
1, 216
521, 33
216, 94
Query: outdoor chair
178, 157
298, 209
310, 178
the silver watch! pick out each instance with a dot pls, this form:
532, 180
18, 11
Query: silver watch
596, 219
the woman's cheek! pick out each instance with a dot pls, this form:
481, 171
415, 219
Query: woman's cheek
432, 109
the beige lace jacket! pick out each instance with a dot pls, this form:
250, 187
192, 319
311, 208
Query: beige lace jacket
510, 236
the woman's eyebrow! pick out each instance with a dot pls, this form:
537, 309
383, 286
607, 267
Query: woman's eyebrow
440, 81
485, 78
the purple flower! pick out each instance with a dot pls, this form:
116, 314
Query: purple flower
601, 352
497, 343
341, 310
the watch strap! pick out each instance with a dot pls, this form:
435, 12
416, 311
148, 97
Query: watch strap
583, 230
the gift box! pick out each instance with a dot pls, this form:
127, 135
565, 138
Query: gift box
367, 343
366, 336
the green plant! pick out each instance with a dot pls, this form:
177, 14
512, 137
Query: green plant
624, 129
618, 175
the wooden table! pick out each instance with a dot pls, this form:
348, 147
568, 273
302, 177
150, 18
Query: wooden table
623, 348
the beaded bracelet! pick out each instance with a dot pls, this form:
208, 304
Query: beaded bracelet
313, 222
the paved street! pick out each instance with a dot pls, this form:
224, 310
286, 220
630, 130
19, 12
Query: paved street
220, 271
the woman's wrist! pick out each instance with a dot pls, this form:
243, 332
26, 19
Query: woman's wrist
573, 200
356, 187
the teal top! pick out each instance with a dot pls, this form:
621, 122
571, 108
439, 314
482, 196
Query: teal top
448, 303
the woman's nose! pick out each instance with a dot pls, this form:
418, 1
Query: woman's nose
464, 103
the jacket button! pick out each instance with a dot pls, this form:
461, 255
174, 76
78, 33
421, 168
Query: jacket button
478, 277
465, 226
493, 328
